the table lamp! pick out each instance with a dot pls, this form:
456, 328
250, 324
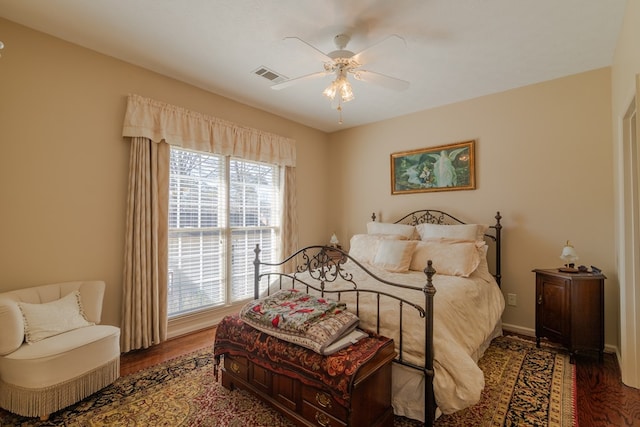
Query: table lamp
569, 256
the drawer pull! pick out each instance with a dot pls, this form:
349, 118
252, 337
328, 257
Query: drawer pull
322, 419
540, 299
323, 400
235, 367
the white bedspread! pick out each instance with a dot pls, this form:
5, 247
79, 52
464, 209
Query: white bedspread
466, 312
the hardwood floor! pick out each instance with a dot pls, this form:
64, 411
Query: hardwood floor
602, 399
139, 359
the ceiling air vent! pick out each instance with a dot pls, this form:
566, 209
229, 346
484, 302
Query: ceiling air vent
270, 75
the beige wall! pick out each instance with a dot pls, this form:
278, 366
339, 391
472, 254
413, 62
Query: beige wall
63, 162
543, 159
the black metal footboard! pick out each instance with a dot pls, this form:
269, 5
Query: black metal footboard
317, 267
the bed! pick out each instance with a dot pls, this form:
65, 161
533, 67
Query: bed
423, 281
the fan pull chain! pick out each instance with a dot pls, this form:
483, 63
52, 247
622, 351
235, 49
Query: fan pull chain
339, 114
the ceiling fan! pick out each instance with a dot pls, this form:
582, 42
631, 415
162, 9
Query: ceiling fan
342, 63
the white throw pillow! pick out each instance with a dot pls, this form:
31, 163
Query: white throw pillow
471, 232
53, 318
363, 247
404, 230
451, 258
395, 255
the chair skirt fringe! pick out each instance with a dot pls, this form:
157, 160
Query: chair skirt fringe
44, 401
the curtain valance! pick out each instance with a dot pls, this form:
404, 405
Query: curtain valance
192, 130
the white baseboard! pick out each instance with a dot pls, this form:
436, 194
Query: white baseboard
519, 330
532, 333
189, 323
608, 348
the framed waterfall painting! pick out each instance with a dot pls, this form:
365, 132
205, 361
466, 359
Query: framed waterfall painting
442, 168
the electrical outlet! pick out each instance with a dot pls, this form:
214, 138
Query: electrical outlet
512, 300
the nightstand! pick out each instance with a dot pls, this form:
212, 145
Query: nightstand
334, 255
570, 310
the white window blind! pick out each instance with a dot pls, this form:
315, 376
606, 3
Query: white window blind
219, 209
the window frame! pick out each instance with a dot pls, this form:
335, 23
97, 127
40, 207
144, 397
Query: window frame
179, 321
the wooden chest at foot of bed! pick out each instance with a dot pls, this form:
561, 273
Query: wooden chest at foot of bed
369, 402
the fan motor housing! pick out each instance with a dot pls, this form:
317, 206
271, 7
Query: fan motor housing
342, 53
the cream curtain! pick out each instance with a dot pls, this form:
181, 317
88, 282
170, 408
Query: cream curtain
153, 126
289, 222
144, 296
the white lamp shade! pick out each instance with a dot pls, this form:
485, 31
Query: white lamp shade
569, 253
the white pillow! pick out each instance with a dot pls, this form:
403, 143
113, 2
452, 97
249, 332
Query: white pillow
470, 232
405, 230
483, 267
363, 247
53, 318
395, 255
450, 257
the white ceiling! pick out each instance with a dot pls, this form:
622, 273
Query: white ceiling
455, 49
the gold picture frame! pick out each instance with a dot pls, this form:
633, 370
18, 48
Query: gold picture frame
442, 168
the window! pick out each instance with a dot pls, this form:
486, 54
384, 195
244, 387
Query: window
219, 209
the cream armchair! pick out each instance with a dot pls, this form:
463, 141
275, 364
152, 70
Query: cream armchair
41, 374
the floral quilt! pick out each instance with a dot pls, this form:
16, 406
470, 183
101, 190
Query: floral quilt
294, 316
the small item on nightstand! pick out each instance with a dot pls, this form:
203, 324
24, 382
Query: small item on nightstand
335, 256
569, 255
583, 269
334, 241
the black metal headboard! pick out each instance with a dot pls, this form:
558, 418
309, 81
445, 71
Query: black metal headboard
432, 216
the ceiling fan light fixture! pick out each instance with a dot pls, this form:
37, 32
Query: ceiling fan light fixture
346, 91
339, 86
331, 90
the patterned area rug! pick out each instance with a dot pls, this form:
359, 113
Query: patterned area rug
525, 386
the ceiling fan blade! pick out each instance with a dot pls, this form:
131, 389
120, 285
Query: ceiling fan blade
309, 48
382, 49
381, 80
296, 80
